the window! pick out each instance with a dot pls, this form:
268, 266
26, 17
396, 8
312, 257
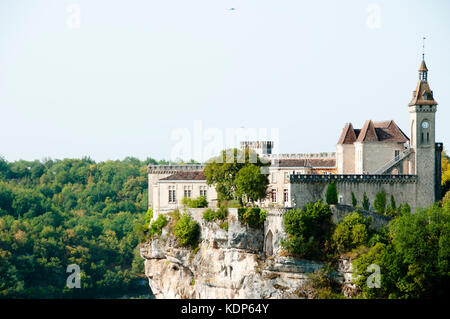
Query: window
274, 195
286, 195
187, 191
203, 191
286, 177
397, 154
273, 178
172, 196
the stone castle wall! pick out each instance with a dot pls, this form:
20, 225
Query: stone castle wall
310, 188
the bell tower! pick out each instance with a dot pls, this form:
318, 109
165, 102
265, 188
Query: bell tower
422, 110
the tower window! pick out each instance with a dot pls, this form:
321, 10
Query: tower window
421, 137
428, 137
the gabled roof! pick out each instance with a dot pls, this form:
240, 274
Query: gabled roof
368, 133
185, 176
348, 135
388, 131
385, 131
422, 95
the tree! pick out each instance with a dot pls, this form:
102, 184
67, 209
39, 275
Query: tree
415, 261
331, 194
221, 171
380, 202
445, 178
392, 209
351, 232
354, 200
307, 230
251, 185
366, 202
187, 231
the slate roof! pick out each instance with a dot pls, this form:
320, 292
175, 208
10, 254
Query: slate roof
185, 176
386, 131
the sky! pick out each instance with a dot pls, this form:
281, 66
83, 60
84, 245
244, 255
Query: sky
166, 78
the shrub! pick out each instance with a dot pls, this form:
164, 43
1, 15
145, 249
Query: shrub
157, 226
148, 217
252, 216
380, 202
351, 232
331, 194
307, 230
366, 202
221, 213
199, 202
187, 231
209, 215
224, 225
234, 203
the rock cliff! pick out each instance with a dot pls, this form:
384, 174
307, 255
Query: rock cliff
228, 264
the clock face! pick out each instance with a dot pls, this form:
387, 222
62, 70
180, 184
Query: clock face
425, 124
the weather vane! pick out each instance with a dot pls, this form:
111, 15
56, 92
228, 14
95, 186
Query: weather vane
423, 48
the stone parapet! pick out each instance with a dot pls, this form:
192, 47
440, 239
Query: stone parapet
350, 178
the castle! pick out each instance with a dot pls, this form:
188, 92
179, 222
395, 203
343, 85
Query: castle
377, 156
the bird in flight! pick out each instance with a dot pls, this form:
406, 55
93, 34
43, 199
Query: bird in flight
232, 9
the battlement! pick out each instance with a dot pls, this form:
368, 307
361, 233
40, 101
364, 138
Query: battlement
350, 178
261, 147
302, 155
170, 169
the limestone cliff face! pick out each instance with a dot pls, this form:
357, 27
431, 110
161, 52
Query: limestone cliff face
228, 264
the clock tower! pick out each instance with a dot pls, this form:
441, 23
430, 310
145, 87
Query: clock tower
422, 110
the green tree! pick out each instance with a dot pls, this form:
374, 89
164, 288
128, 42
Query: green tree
187, 231
251, 185
411, 268
445, 177
366, 202
221, 171
351, 232
331, 194
354, 200
380, 202
308, 230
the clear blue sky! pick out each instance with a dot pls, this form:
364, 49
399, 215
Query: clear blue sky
135, 71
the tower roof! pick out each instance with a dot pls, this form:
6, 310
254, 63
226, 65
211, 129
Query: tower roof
422, 95
348, 135
368, 133
423, 67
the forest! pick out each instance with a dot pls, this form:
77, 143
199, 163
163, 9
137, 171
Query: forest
54, 213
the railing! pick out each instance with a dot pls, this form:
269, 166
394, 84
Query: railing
175, 168
307, 178
392, 162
